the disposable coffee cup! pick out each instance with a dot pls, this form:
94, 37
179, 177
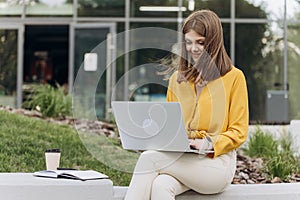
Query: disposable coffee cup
52, 159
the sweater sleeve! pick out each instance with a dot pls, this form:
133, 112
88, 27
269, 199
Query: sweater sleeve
238, 116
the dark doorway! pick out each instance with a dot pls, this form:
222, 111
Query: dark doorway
46, 54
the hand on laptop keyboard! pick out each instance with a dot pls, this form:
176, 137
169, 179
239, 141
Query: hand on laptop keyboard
200, 144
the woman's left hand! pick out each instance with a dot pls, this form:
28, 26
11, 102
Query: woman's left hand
201, 144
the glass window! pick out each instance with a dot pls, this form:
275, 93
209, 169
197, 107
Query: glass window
120, 50
90, 42
293, 8
166, 8
293, 68
226, 35
120, 40
10, 8
260, 9
46, 54
57, 8
120, 62
220, 7
8, 66
101, 8
259, 55
149, 46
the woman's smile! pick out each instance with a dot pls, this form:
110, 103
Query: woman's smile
194, 44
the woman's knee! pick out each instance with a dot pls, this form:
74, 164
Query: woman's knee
162, 186
155, 161
147, 156
146, 162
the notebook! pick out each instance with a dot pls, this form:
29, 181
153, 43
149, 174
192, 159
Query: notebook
71, 174
152, 126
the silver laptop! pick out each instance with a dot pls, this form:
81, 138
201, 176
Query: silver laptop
152, 126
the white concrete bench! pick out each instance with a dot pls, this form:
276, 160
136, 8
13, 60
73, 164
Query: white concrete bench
279, 191
25, 186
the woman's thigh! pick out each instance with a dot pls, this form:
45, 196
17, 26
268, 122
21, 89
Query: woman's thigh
203, 174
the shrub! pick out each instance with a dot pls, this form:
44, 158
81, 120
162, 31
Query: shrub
278, 155
261, 145
50, 101
280, 165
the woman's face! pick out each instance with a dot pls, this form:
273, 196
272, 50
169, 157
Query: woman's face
194, 44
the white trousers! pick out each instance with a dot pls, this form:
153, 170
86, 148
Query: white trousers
163, 175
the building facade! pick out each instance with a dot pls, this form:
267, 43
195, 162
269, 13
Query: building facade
108, 45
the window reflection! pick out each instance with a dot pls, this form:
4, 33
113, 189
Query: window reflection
293, 67
101, 8
49, 8
10, 8
153, 8
220, 7
260, 9
226, 35
293, 7
144, 82
274, 9
259, 55
8, 66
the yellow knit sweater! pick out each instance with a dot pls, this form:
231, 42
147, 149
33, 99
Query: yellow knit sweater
221, 111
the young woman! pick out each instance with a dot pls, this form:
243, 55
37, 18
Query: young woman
214, 101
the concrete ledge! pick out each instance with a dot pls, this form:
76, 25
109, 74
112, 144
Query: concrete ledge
237, 192
119, 192
25, 186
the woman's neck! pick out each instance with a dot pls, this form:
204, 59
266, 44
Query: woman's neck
199, 87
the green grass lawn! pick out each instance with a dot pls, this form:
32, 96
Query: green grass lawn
24, 140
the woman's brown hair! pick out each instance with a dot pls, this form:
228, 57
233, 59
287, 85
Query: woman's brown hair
213, 61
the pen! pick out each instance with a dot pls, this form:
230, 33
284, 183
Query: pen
63, 168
